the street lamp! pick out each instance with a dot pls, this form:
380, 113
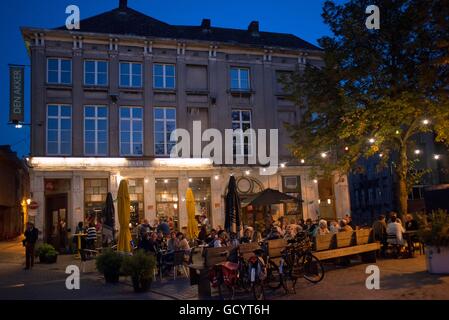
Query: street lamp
436, 157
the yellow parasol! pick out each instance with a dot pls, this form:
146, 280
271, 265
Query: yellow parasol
124, 237
192, 224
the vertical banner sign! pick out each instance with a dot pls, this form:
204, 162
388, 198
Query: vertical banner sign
17, 96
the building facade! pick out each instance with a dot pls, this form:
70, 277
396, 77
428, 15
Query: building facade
106, 98
14, 193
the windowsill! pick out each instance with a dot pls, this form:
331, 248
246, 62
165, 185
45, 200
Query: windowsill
164, 90
58, 86
241, 92
96, 88
131, 89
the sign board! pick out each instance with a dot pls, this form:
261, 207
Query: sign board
16, 95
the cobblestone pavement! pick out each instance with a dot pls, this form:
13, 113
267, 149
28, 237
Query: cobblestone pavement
399, 279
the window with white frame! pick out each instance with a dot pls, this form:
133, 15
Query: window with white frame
130, 74
59, 71
131, 131
95, 73
96, 130
241, 119
164, 76
240, 79
59, 129
164, 124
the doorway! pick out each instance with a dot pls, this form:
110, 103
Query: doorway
56, 220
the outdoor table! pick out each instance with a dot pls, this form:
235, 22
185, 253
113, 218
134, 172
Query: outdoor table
408, 236
79, 236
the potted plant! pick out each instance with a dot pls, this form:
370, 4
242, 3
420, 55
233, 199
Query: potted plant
140, 267
46, 253
434, 233
109, 263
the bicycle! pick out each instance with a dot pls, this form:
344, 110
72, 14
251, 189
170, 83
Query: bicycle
298, 260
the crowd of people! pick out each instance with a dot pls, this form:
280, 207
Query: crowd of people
391, 230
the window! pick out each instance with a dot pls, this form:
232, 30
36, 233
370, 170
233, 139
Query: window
95, 73
240, 79
95, 192
59, 71
241, 119
164, 76
291, 185
131, 131
167, 201
59, 130
130, 75
96, 130
202, 193
164, 124
136, 198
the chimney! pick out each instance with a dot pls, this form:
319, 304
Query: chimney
205, 24
254, 28
123, 4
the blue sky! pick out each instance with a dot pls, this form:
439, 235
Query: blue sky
300, 17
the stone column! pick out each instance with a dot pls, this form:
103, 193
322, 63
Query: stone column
217, 212
183, 184
150, 197
37, 189
77, 201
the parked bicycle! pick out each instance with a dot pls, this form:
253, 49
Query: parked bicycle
298, 260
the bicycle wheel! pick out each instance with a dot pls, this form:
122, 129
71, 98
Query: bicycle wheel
258, 291
273, 280
288, 277
313, 268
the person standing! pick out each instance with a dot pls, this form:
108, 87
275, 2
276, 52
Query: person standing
31, 236
91, 236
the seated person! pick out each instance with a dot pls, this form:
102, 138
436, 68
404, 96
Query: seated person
221, 240
211, 237
322, 228
395, 228
344, 226
247, 235
410, 223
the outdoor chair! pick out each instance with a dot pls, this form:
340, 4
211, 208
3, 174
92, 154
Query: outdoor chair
86, 255
179, 262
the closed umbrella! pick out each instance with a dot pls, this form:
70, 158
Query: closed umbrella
124, 237
192, 225
108, 223
233, 211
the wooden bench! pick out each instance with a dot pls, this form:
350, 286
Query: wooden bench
274, 249
199, 271
348, 243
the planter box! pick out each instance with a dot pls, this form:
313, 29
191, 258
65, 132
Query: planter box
437, 261
48, 259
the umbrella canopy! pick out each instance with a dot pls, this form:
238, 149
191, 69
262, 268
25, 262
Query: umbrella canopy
108, 223
123, 208
269, 197
233, 210
192, 225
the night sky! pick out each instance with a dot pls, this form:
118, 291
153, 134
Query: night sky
299, 17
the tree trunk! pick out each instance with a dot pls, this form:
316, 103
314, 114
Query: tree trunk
401, 173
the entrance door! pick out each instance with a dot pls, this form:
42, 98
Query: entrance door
56, 220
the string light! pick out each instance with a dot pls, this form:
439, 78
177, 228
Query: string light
346, 148
381, 155
217, 177
372, 140
323, 155
398, 132
417, 151
303, 161
437, 157
166, 181
282, 165
247, 172
425, 122
190, 180
315, 181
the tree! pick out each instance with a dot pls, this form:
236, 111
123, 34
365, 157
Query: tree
376, 89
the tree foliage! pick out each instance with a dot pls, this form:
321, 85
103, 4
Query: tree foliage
376, 87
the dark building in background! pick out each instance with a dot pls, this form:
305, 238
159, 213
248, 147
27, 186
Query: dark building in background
14, 192
373, 191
